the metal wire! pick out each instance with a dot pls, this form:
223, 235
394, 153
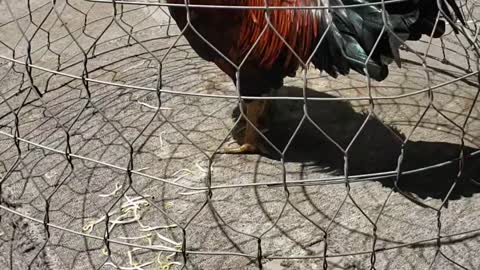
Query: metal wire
111, 131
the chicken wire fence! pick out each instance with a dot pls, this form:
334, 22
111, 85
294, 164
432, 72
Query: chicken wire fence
112, 131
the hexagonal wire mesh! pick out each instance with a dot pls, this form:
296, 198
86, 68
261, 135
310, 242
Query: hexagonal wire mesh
112, 129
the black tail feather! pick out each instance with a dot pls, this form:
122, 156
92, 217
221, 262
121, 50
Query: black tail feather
358, 40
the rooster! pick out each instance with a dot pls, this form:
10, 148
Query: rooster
268, 46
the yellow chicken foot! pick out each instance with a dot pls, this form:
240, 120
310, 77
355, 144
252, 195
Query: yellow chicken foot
249, 144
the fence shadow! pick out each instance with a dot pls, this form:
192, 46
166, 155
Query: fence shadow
376, 149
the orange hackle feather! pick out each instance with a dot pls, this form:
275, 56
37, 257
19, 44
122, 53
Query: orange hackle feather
297, 27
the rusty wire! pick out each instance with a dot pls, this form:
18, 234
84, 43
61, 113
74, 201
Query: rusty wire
91, 90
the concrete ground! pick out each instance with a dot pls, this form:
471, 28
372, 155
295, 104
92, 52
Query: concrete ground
73, 152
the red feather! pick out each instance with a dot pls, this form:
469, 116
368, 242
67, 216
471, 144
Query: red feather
292, 27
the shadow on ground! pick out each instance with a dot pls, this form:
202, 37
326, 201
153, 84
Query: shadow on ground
376, 148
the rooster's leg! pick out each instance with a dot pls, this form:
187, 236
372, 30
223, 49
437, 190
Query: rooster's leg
254, 111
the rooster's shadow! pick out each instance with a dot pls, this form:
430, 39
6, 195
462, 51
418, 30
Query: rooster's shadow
376, 149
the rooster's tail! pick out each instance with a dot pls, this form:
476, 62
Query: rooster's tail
350, 35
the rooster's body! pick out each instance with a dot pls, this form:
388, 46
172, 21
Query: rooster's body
335, 41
